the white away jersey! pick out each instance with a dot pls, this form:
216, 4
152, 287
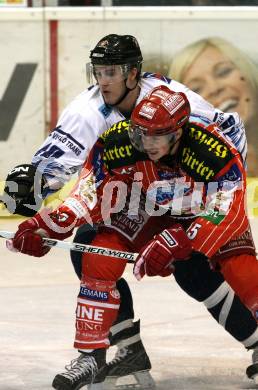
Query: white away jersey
87, 117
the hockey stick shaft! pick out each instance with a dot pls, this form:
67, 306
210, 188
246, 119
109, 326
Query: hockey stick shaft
73, 246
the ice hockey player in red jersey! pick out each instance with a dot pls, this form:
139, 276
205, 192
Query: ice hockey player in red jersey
166, 184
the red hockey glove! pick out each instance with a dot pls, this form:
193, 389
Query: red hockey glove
58, 224
157, 257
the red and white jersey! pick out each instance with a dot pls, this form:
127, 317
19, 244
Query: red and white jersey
81, 123
202, 187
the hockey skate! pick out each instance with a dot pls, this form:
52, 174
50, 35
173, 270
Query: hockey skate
82, 371
130, 359
252, 370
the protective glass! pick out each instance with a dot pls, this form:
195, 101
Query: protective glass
106, 74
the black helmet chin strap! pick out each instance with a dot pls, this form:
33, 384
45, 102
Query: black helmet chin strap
127, 90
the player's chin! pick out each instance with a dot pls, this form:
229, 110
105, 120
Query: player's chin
153, 155
108, 97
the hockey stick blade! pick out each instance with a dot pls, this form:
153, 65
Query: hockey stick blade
73, 246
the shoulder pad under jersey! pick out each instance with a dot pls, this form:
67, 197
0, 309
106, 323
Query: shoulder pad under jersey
204, 152
118, 150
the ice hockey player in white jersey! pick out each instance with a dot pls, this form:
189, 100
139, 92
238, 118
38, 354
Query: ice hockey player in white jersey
116, 63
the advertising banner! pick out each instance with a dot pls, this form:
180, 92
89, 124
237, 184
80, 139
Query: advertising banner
13, 3
22, 105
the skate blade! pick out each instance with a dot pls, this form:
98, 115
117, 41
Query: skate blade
108, 384
142, 381
250, 383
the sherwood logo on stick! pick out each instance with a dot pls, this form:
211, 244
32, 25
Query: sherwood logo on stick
110, 252
128, 256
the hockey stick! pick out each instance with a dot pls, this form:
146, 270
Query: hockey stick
73, 246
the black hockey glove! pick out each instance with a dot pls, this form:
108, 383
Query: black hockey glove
25, 189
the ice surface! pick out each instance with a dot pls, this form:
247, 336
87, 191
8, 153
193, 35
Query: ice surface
187, 348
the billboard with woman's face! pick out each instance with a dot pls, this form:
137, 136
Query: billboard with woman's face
225, 76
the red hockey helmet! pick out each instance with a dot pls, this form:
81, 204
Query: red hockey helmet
161, 112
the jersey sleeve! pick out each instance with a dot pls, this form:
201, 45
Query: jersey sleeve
64, 151
86, 196
224, 216
232, 127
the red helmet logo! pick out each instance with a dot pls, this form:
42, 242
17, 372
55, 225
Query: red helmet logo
147, 111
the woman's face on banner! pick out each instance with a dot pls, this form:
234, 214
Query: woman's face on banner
218, 80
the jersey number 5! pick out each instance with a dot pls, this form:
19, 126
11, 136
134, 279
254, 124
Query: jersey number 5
192, 232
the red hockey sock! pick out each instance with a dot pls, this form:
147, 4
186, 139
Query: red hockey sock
97, 308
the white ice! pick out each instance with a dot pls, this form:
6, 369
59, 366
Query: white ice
187, 348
